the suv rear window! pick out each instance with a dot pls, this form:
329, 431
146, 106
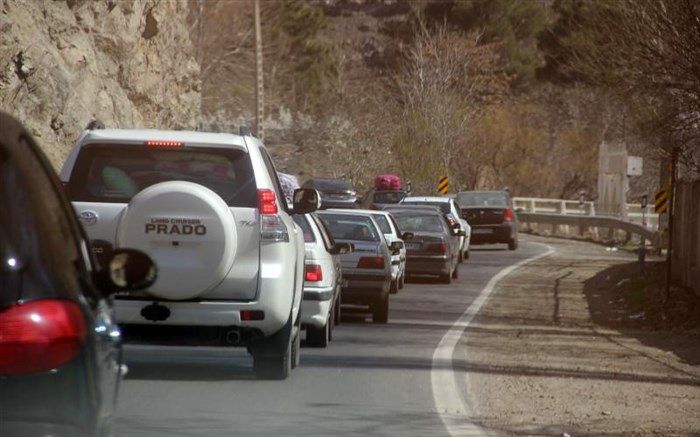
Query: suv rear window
115, 173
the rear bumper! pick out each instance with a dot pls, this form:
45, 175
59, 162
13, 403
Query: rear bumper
365, 288
202, 313
316, 305
427, 265
484, 234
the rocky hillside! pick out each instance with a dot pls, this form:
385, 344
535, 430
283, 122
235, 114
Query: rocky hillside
127, 63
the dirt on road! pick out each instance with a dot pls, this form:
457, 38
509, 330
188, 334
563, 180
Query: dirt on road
560, 348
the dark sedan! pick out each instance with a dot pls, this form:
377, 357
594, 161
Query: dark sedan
60, 352
335, 193
491, 216
434, 248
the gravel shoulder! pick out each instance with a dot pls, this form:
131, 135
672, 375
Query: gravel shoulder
545, 357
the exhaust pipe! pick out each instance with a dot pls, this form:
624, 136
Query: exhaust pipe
232, 337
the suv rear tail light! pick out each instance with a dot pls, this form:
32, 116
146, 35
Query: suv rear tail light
267, 202
508, 215
163, 143
249, 315
40, 335
437, 247
371, 262
313, 273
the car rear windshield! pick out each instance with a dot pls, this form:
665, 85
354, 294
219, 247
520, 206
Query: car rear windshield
388, 197
303, 223
444, 206
482, 199
420, 223
116, 173
383, 223
350, 227
332, 185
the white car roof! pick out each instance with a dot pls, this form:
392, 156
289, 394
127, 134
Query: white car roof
362, 212
191, 138
426, 199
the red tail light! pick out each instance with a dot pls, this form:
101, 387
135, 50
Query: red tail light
249, 315
371, 262
313, 273
163, 143
267, 202
508, 215
39, 336
437, 247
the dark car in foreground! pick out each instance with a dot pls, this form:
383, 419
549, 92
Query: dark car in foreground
367, 269
491, 216
60, 351
335, 193
434, 248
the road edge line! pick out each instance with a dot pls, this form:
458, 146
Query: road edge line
454, 411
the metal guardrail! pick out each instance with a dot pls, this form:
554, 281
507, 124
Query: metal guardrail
586, 223
633, 211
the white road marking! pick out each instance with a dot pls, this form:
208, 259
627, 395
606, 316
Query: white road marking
453, 407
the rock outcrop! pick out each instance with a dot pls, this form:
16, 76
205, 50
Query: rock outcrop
127, 63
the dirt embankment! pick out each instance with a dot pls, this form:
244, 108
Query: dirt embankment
127, 63
567, 345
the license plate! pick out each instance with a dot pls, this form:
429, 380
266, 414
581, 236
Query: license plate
413, 246
482, 231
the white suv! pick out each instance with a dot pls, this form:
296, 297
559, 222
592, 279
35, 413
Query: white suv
208, 208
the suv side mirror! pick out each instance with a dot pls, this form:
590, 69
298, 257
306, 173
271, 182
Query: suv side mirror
305, 200
462, 233
126, 269
342, 248
407, 236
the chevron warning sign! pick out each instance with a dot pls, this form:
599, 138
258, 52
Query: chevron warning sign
444, 185
661, 201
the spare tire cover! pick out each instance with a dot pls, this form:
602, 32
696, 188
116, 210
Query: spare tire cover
189, 232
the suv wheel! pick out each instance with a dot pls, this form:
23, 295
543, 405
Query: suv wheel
380, 311
273, 367
455, 273
318, 337
296, 349
446, 279
402, 281
513, 244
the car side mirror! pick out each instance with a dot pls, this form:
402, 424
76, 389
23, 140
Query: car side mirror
462, 233
126, 269
305, 200
342, 248
396, 247
407, 236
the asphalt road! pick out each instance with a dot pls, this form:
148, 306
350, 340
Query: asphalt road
371, 380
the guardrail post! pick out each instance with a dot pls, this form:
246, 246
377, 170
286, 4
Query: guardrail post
532, 205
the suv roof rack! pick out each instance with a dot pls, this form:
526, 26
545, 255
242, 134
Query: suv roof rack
94, 124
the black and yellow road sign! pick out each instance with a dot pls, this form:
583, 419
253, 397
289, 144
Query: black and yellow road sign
661, 201
444, 185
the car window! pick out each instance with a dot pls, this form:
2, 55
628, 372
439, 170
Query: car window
39, 252
383, 223
482, 199
444, 206
388, 196
395, 225
350, 227
324, 232
332, 185
418, 223
303, 223
114, 174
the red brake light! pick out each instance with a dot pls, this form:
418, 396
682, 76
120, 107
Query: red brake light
437, 247
371, 262
163, 143
267, 202
508, 215
39, 336
249, 315
313, 273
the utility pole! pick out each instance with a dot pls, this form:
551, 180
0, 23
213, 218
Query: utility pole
259, 103
669, 251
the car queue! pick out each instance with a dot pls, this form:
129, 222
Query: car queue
190, 229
